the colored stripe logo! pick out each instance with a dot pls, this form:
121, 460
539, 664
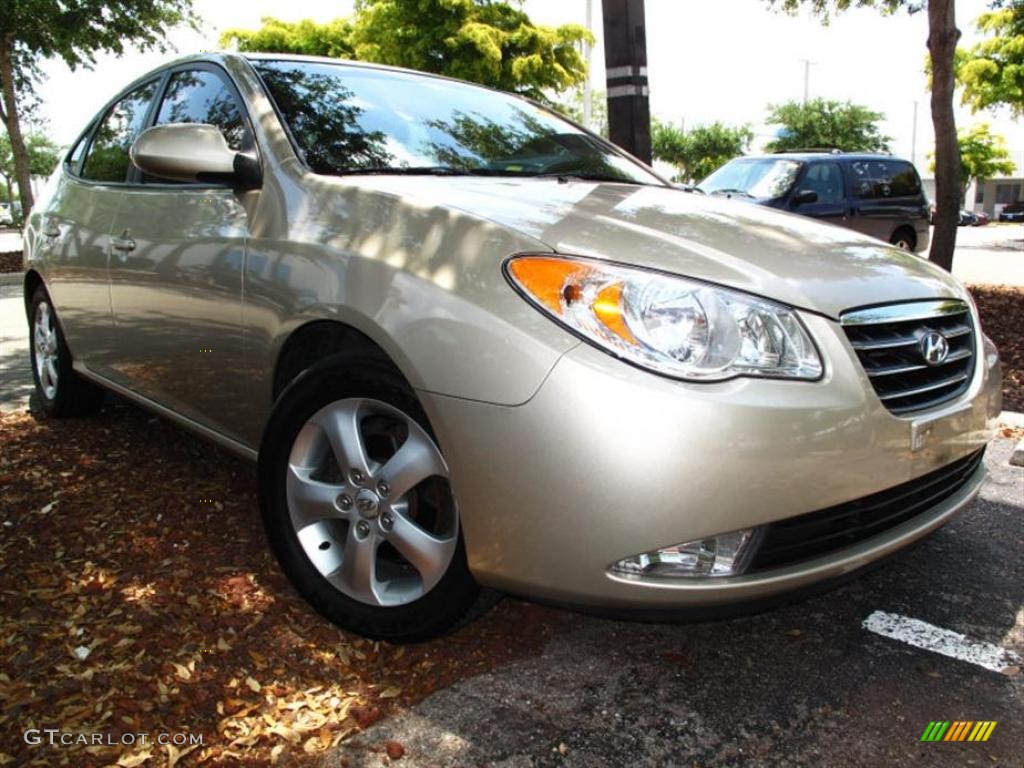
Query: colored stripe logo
958, 730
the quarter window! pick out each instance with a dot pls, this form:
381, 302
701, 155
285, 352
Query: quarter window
107, 159
200, 96
873, 179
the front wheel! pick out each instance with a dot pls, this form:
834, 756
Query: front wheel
357, 505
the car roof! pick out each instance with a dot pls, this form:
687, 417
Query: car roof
827, 155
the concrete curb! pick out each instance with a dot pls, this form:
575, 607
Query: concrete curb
12, 278
1017, 457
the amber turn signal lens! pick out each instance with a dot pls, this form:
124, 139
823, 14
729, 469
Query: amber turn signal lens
549, 280
608, 309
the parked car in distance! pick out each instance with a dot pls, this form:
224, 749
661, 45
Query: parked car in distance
469, 343
968, 218
1012, 212
878, 195
980, 219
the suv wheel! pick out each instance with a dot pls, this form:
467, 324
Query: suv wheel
62, 392
904, 238
357, 505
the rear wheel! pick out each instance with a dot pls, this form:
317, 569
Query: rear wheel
357, 505
62, 392
904, 238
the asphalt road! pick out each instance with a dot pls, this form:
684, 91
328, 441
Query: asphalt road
805, 685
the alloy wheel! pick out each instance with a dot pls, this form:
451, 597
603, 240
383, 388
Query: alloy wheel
369, 500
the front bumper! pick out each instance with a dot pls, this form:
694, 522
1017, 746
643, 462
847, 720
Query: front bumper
607, 461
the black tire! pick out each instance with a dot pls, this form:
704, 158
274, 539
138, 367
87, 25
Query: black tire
904, 238
337, 378
70, 395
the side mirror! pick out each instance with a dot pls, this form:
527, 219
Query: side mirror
805, 196
195, 152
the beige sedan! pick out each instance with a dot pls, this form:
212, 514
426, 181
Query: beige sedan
470, 343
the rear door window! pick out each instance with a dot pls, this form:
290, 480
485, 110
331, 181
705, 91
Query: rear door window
879, 179
107, 159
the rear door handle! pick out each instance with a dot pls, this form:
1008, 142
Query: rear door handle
123, 243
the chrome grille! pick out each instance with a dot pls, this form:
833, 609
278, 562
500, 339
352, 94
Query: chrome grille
893, 341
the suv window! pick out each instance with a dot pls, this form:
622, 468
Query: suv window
107, 159
827, 180
873, 179
200, 96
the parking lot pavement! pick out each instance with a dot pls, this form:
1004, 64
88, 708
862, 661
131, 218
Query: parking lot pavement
802, 685
15, 373
990, 254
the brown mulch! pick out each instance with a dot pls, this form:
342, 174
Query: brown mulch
137, 595
10, 261
1002, 318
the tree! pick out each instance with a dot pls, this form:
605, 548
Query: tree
74, 30
43, 156
982, 156
484, 41
992, 71
821, 123
698, 152
942, 39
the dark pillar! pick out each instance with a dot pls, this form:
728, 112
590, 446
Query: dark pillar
625, 61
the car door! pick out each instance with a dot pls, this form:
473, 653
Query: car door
176, 269
76, 225
825, 179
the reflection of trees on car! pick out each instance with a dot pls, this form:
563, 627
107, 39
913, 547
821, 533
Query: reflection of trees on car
321, 114
521, 144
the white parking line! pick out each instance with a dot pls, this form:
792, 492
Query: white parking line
920, 634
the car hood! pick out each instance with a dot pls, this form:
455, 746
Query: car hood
789, 258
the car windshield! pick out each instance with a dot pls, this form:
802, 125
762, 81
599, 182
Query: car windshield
765, 177
350, 120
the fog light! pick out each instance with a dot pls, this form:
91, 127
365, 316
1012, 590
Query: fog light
725, 555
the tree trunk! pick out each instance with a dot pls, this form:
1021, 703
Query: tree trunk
10, 115
942, 39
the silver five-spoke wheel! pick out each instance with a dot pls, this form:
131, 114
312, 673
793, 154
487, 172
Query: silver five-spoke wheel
368, 497
45, 342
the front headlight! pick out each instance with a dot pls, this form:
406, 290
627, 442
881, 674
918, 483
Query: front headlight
672, 325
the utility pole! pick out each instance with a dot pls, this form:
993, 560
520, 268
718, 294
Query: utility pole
807, 76
588, 51
625, 60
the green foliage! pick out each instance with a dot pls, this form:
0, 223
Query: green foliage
983, 154
992, 71
43, 156
76, 30
701, 151
822, 123
825, 8
483, 41
305, 37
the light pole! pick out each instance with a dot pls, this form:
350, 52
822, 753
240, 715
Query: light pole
587, 51
807, 76
625, 65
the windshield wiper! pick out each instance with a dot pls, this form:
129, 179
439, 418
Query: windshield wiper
439, 170
727, 191
567, 176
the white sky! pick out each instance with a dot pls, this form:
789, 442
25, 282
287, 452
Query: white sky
707, 60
